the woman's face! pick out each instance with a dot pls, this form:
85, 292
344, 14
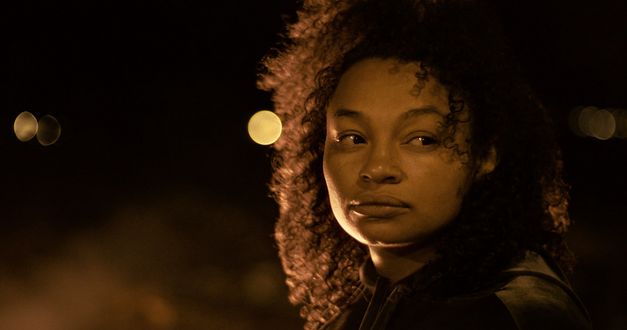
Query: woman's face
390, 181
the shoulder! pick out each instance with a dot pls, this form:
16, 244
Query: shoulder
484, 312
538, 297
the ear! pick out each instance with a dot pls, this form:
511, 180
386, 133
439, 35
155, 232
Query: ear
487, 164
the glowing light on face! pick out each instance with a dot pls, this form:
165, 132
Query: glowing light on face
49, 130
265, 127
390, 180
25, 126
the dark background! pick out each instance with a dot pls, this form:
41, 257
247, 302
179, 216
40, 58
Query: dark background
152, 210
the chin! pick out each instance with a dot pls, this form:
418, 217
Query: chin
391, 240
378, 235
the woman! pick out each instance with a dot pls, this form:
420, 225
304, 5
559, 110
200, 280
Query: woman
418, 180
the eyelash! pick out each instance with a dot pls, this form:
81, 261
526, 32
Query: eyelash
354, 136
424, 139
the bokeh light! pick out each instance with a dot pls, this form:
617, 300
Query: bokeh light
573, 121
49, 130
158, 311
620, 117
602, 124
261, 284
25, 126
585, 119
265, 127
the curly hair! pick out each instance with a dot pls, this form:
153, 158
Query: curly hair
521, 205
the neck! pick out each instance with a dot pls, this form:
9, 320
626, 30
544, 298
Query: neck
399, 262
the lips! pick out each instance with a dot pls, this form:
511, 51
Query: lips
378, 207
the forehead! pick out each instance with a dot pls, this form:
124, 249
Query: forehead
376, 84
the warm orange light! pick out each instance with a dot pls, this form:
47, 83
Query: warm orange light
265, 127
159, 312
585, 119
602, 124
49, 130
261, 283
573, 121
25, 126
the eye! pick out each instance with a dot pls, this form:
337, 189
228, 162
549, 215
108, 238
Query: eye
350, 139
423, 140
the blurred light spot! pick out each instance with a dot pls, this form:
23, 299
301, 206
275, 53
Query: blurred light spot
602, 125
49, 130
265, 127
262, 283
620, 117
159, 312
25, 126
585, 118
573, 121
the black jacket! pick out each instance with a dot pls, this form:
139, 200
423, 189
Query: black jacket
531, 295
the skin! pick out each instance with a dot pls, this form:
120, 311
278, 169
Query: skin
392, 185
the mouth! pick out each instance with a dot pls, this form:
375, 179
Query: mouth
382, 207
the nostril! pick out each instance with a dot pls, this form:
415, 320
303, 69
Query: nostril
390, 179
381, 174
365, 177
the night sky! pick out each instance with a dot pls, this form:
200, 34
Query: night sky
154, 169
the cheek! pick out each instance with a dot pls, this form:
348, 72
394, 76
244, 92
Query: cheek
331, 175
339, 177
451, 188
333, 172
438, 187
454, 181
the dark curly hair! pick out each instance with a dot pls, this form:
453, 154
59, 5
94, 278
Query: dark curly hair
520, 206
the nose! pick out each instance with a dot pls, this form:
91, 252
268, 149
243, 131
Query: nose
381, 167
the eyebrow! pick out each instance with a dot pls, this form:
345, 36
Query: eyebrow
426, 110
347, 113
430, 109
